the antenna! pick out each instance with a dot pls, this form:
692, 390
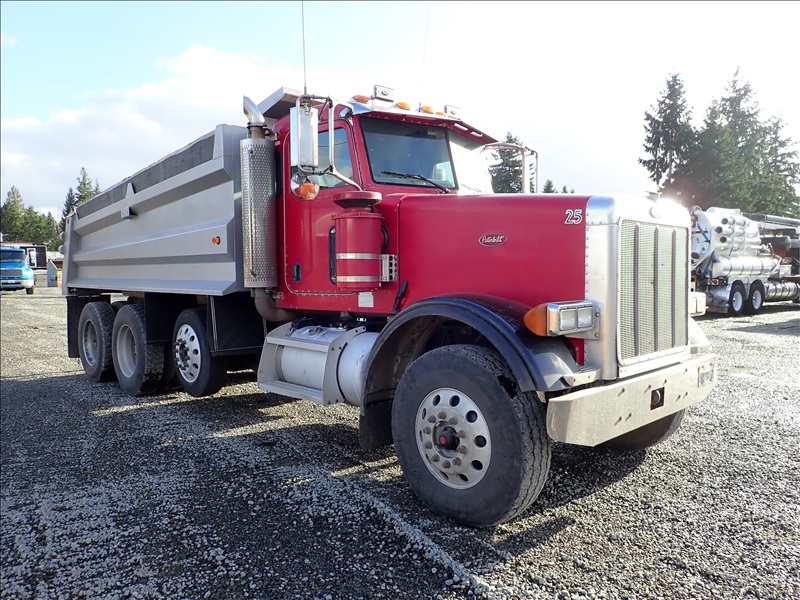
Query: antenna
303, 19
424, 55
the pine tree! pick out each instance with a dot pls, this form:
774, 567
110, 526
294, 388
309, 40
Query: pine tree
507, 173
739, 161
12, 216
70, 202
669, 134
86, 190
549, 187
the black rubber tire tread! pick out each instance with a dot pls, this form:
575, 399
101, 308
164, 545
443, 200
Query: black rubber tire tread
751, 306
521, 448
99, 315
149, 366
649, 435
737, 287
214, 371
29, 290
169, 378
117, 304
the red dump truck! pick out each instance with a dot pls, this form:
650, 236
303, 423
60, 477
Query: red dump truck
356, 252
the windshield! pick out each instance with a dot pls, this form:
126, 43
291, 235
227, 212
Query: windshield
16, 256
424, 156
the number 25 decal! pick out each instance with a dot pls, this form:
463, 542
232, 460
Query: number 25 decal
574, 216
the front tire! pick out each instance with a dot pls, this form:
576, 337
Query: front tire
29, 291
199, 373
649, 435
139, 365
95, 329
472, 447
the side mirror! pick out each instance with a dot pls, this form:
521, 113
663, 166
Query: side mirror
304, 132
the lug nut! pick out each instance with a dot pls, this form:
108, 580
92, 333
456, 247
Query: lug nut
462, 449
431, 419
427, 431
453, 421
457, 461
446, 464
462, 434
435, 458
442, 415
428, 445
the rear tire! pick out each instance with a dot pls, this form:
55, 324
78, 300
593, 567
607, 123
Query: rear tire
472, 447
139, 365
649, 435
199, 373
29, 291
736, 300
95, 329
755, 300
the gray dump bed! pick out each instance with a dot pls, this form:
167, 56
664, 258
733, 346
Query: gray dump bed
172, 227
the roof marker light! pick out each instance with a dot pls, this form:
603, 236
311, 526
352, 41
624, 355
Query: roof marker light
361, 99
427, 109
404, 105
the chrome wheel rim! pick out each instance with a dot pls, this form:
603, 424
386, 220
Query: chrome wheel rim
453, 438
187, 353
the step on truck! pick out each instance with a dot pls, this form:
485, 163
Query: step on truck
355, 252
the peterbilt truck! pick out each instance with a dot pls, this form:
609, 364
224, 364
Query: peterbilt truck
355, 252
742, 261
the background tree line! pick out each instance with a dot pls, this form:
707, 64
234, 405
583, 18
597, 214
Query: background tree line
735, 159
20, 223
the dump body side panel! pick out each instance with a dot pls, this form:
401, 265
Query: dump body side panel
174, 227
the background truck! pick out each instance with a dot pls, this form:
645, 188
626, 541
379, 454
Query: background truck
741, 261
355, 252
15, 272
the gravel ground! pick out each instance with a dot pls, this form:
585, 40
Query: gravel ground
253, 495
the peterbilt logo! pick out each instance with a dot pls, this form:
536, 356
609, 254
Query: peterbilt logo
493, 239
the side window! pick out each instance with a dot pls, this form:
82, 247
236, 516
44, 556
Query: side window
341, 158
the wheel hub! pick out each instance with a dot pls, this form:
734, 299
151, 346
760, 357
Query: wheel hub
187, 353
453, 438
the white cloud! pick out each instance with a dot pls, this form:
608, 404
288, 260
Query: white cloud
7, 40
122, 131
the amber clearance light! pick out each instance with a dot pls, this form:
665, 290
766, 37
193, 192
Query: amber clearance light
561, 318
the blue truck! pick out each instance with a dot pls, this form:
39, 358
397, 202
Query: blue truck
15, 272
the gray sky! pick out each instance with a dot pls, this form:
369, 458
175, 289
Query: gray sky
114, 86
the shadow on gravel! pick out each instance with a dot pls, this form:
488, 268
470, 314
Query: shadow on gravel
577, 472
790, 327
769, 309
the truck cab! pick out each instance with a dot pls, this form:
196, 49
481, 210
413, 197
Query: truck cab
15, 272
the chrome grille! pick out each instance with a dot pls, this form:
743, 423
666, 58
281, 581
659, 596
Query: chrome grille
12, 272
654, 289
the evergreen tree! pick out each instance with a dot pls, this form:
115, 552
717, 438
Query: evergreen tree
86, 190
507, 173
70, 202
564, 190
739, 161
12, 216
53, 241
669, 134
549, 187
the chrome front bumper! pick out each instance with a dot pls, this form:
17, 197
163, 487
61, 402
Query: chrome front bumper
597, 414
